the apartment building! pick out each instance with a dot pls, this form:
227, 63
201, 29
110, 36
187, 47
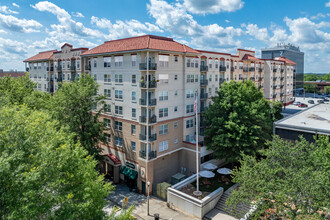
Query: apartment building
49, 68
151, 83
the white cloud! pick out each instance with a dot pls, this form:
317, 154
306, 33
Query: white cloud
319, 15
66, 24
255, 31
6, 10
212, 6
227, 21
77, 14
2, 32
19, 25
327, 4
15, 5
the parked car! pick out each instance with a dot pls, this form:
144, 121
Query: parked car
325, 100
311, 101
302, 105
320, 101
296, 103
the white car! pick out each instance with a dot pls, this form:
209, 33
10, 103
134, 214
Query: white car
296, 103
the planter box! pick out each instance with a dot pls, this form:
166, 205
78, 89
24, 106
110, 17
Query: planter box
189, 204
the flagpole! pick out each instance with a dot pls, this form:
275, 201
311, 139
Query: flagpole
197, 192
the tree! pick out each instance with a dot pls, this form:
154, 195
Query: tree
311, 77
72, 106
310, 87
38, 100
240, 119
292, 179
14, 90
326, 77
276, 110
327, 89
44, 174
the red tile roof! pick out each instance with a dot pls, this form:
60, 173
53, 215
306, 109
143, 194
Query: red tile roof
140, 43
46, 55
286, 60
66, 44
114, 159
249, 57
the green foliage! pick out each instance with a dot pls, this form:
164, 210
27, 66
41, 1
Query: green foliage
38, 100
292, 179
327, 89
312, 77
72, 106
276, 110
310, 87
326, 77
14, 90
239, 120
44, 174
125, 214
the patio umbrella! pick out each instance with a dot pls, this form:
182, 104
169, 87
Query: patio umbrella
224, 171
209, 166
206, 174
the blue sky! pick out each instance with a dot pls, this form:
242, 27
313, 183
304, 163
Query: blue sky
27, 27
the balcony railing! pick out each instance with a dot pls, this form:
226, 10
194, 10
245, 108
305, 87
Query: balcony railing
252, 78
59, 79
152, 119
50, 68
73, 68
152, 137
152, 154
260, 69
240, 78
282, 78
274, 96
274, 78
222, 68
274, 70
59, 68
152, 84
203, 82
204, 68
152, 102
87, 67
282, 70
259, 78
152, 66
251, 69
204, 95
281, 86
245, 69
232, 69
221, 80
281, 94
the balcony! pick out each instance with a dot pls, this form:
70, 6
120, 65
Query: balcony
152, 119
282, 78
232, 69
152, 84
274, 96
222, 68
221, 80
203, 96
152, 154
274, 70
252, 78
245, 69
87, 67
251, 69
74, 76
59, 68
240, 78
281, 86
152, 102
260, 87
259, 78
59, 79
152, 137
281, 94
204, 68
73, 68
50, 68
203, 82
260, 70
274, 78
144, 66
282, 70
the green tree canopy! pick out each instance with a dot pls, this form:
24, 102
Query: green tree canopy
44, 174
292, 179
310, 87
326, 77
72, 106
239, 120
276, 110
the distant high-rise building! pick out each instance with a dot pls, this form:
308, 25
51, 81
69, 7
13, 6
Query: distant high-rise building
294, 54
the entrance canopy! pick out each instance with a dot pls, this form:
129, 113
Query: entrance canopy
114, 159
132, 174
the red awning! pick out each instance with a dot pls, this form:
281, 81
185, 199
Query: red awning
114, 159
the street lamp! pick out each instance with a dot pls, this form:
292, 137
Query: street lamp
148, 197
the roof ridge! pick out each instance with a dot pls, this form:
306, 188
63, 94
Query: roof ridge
48, 51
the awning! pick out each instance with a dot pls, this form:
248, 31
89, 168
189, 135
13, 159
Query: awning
113, 158
132, 174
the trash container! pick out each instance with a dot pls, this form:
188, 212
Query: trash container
156, 216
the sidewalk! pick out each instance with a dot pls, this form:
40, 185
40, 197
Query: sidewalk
160, 207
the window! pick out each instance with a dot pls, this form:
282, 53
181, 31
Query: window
190, 78
133, 78
175, 77
119, 94
163, 112
210, 78
118, 141
119, 78
196, 63
118, 125
175, 58
107, 61
163, 60
189, 94
175, 140
107, 78
175, 124
133, 112
133, 96
107, 108
196, 78
210, 63
190, 123
163, 129
107, 137
107, 122
95, 62
133, 129
227, 64
107, 93
190, 108
118, 61
190, 62
63, 64
175, 92
133, 146
175, 108
216, 77
133, 60
163, 146
216, 64
190, 138
118, 110
163, 95
78, 64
